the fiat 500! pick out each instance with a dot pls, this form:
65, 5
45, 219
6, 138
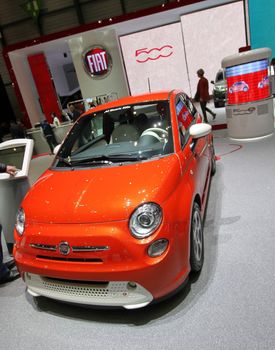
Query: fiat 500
117, 220
264, 82
239, 86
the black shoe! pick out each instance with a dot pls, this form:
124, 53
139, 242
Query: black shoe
10, 264
214, 116
10, 276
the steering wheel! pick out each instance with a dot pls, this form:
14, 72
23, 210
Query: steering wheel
155, 133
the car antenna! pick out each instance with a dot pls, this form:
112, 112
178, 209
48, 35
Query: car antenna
149, 87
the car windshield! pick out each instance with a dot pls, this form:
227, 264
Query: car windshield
219, 76
128, 133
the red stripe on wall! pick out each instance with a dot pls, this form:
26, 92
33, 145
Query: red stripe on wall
44, 85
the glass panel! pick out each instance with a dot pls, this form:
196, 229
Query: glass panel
122, 134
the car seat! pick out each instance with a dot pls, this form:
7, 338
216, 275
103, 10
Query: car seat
141, 122
125, 131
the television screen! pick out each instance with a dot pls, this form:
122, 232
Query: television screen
13, 156
247, 82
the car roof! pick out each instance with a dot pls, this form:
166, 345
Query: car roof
153, 96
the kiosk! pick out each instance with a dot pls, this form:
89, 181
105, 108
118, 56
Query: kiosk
17, 152
249, 108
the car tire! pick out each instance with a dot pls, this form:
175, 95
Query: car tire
196, 240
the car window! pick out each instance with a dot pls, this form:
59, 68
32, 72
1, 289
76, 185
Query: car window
122, 134
186, 112
219, 76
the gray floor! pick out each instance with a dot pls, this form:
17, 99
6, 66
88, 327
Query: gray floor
230, 306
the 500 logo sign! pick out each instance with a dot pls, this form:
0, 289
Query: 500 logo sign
144, 55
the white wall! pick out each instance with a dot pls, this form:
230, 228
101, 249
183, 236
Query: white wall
158, 55
209, 36
115, 81
200, 40
26, 85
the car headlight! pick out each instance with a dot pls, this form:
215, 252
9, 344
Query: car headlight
20, 221
145, 220
220, 88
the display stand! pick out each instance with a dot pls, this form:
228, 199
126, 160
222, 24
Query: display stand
249, 108
17, 152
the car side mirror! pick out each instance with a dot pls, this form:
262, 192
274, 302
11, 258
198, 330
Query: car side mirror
197, 131
56, 149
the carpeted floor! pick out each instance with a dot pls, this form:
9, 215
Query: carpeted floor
231, 306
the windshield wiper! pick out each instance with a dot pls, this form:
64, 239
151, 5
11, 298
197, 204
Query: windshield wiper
108, 159
66, 161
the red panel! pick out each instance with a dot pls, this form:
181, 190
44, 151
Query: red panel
44, 85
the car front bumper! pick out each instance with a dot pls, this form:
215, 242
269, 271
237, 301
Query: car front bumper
113, 293
102, 277
219, 97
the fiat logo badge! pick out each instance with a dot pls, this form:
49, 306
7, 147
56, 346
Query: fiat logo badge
64, 248
97, 61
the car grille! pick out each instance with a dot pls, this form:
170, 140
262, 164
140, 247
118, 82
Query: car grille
74, 248
54, 258
108, 293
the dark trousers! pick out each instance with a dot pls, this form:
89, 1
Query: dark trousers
51, 141
204, 109
3, 269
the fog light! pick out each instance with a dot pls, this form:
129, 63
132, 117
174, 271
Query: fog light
132, 285
157, 248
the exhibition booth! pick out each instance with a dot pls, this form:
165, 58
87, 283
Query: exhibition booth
103, 62
106, 214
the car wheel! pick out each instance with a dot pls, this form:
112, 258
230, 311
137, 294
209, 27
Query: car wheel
196, 240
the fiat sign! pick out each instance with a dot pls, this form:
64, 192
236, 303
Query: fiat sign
97, 62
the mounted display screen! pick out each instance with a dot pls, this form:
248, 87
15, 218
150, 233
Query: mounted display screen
13, 156
247, 82
184, 116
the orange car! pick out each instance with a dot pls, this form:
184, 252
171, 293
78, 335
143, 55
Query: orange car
117, 219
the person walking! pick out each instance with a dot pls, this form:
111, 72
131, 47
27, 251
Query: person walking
202, 95
49, 135
7, 273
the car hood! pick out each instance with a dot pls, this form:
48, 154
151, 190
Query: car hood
220, 84
100, 194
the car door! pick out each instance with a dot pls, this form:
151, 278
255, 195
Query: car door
194, 154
